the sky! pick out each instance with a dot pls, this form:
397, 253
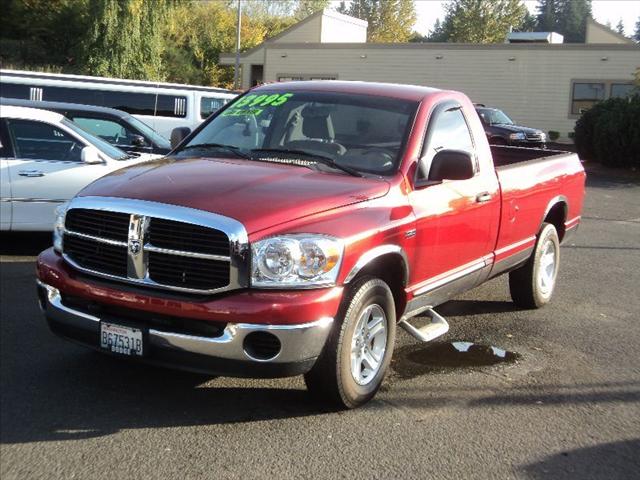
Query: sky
603, 11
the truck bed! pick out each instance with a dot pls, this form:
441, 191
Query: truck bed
504, 156
531, 180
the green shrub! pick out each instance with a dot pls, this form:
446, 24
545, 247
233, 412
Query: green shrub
609, 132
554, 135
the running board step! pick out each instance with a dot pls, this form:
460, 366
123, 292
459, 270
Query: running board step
431, 331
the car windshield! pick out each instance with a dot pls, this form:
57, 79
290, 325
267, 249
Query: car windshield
104, 147
355, 133
494, 116
148, 132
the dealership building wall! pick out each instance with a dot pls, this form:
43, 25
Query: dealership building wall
538, 84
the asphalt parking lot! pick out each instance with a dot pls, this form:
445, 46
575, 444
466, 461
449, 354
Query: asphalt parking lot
567, 405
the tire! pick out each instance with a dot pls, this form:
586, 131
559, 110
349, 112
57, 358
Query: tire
333, 378
532, 285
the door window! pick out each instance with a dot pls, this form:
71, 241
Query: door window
108, 130
449, 131
41, 141
6, 151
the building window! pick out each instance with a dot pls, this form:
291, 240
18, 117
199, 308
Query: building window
289, 79
585, 95
621, 90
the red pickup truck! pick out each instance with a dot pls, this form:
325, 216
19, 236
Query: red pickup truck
295, 229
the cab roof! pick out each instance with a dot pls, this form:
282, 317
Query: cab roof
393, 90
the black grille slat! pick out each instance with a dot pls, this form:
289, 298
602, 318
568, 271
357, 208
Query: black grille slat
174, 235
98, 223
163, 269
187, 272
96, 256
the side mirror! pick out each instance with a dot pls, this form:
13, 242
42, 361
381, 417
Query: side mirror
179, 134
138, 141
91, 156
451, 165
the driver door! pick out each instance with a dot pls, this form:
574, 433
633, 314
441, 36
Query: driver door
46, 170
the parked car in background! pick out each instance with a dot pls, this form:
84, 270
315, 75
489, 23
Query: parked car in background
114, 126
163, 106
45, 159
295, 230
501, 130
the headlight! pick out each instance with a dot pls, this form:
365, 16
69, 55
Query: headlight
296, 261
58, 226
517, 136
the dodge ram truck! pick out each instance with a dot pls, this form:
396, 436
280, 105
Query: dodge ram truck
298, 227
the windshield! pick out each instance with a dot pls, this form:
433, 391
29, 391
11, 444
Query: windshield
494, 116
104, 147
148, 132
362, 133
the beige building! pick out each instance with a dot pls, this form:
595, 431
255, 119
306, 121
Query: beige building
539, 84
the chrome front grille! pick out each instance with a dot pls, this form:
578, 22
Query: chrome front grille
534, 137
156, 245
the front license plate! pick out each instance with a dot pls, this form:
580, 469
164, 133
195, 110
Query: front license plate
121, 339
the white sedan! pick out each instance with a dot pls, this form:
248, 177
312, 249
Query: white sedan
45, 159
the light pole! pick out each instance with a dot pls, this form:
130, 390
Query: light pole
236, 72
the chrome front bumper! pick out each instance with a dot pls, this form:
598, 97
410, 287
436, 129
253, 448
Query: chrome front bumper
226, 354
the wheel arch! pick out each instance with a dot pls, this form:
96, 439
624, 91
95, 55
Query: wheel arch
556, 214
388, 263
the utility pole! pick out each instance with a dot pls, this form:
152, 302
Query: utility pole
236, 72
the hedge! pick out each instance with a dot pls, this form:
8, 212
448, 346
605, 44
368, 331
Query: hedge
609, 132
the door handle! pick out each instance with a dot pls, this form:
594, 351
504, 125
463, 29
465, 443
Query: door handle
483, 197
31, 173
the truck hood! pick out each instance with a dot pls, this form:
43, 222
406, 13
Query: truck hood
258, 194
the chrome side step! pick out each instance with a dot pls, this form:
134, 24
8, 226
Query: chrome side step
431, 331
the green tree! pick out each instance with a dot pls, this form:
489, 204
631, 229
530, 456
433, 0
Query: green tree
389, 20
482, 21
548, 13
309, 7
342, 8
529, 23
573, 20
568, 17
39, 33
197, 33
636, 35
126, 39
620, 27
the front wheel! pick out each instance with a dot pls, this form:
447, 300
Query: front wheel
532, 285
354, 361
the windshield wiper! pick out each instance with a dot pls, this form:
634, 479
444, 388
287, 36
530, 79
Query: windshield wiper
229, 148
325, 160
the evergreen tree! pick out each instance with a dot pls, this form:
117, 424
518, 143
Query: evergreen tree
529, 23
482, 21
548, 13
568, 17
309, 7
620, 27
342, 8
573, 20
636, 35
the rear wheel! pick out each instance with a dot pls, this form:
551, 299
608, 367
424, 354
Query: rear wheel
532, 285
358, 351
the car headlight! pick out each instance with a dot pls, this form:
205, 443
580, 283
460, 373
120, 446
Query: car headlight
517, 136
296, 261
58, 226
